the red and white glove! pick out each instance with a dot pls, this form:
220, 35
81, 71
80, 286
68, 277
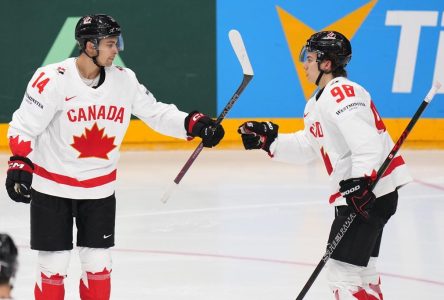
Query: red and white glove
198, 124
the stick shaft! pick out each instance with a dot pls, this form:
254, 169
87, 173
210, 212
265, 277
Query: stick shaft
195, 154
398, 144
242, 56
428, 98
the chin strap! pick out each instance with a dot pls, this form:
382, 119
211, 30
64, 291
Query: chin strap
321, 72
319, 76
94, 58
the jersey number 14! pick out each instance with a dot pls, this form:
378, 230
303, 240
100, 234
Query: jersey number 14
40, 82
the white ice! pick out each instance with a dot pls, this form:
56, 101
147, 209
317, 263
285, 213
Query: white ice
240, 226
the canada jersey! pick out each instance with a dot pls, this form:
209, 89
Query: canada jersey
73, 132
344, 129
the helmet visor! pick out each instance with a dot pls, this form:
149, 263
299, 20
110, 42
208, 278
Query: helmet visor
120, 44
303, 54
107, 42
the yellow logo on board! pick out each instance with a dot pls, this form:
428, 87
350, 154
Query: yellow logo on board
297, 33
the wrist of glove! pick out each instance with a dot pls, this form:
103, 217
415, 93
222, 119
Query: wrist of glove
19, 178
258, 135
198, 124
358, 196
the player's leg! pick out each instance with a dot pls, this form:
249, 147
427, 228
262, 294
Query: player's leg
345, 281
384, 208
351, 256
52, 270
361, 241
371, 280
51, 234
95, 223
95, 283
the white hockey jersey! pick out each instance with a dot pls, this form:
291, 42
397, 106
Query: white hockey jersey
344, 129
73, 132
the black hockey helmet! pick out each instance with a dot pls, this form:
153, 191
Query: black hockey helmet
330, 45
95, 27
8, 259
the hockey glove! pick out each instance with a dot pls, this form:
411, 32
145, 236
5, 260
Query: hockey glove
357, 194
258, 135
19, 178
198, 124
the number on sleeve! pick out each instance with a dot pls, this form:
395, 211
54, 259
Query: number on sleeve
40, 84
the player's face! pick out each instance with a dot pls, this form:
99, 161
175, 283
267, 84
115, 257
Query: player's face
311, 66
108, 49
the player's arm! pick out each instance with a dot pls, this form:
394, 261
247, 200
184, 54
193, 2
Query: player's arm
169, 120
161, 117
293, 148
33, 116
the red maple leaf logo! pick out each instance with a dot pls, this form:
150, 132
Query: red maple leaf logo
93, 143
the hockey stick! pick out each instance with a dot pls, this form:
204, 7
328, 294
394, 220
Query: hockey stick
242, 56
335, 241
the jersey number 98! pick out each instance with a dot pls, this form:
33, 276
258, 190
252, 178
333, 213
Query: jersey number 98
343, 91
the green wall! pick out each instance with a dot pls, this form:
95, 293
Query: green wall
170, 44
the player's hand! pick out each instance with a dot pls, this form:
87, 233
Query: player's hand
19, 178
358, 196
258, 135
198, 124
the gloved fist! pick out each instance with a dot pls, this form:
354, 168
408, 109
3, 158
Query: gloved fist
258, 135
198, 124
357, 194
19, 178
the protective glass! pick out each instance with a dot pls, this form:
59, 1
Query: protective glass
307, 49
120, 44
303, 54
104, 45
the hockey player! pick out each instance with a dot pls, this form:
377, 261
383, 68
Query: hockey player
8, 265
65, 139
343, 128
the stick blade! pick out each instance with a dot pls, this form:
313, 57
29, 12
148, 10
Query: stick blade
168, 192
433, 90
239, 48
